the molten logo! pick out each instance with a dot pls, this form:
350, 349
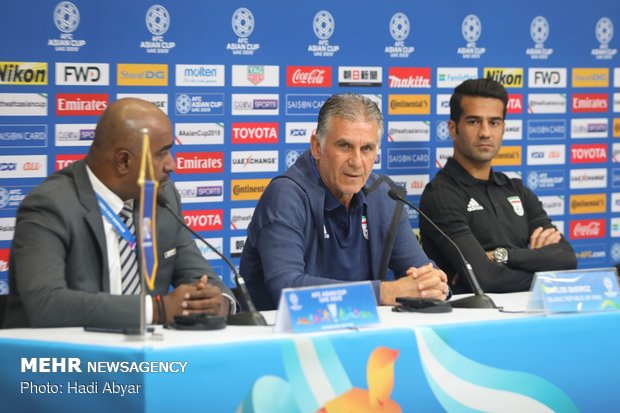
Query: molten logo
596, 153
309, 76
583, 229
206, 220
199, 162
245, 133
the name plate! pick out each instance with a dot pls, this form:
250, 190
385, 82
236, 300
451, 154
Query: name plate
326, 307
575, 291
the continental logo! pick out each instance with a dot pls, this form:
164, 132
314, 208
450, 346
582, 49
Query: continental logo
617, 128
23, 73
247, 189
588, 204
409, 104
508, 156
591, 77
507, 76
141, 75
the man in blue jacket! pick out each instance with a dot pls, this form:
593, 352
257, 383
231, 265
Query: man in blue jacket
328, 218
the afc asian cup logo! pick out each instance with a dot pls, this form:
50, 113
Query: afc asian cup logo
471, 28
532, 180
604, 30
399, 27
66, 17
183, 104
4, 197
157, 20
443, 132
4, 287
539, 29
615, 252
291, 158
243, 22
323, 25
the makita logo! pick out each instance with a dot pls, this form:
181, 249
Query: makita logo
588, 153
208, 220
14, 73
309, 76
410, 77
244, 133
71, 104
583, 102
199, 162
587, 229
509, 77
515, 103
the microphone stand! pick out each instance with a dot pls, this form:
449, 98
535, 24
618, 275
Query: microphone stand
246, 318
479, 299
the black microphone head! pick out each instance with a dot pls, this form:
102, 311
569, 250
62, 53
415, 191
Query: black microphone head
161, 200
396, 193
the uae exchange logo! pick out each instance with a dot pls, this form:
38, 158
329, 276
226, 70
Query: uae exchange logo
66, 17
157, 20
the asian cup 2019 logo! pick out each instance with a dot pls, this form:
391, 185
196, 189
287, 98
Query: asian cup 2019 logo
400, 28
66, 17
443, 131
471, 28
243, 24
323, 25
157, 22
539, 31
604, 32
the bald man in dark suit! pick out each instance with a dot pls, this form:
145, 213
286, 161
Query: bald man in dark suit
64, 262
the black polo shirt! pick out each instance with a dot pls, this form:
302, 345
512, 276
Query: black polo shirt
481, 215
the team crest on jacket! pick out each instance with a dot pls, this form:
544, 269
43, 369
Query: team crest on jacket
365, 226
515, 201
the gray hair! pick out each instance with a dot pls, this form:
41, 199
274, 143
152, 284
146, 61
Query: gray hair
349, 106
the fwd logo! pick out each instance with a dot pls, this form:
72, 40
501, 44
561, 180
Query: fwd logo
83, 74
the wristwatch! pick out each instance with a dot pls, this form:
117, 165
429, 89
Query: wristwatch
500, 255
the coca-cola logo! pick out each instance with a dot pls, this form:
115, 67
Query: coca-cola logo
309, 76
587, 229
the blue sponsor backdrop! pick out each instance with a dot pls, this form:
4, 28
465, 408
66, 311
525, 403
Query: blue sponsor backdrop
62, 60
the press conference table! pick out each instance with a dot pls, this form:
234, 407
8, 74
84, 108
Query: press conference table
467, 359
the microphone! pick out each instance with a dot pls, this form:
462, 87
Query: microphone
479, 299
247, 318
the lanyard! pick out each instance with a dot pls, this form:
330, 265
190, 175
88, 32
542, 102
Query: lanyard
116, 222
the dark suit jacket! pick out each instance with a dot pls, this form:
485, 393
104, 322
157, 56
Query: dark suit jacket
58, 269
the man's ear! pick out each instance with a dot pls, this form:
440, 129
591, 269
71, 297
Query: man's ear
453, 129
122, 159
315, 146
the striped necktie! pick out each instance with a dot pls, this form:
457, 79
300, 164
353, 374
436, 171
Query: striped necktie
130, 276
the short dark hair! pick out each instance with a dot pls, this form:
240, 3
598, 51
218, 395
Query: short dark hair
484, 88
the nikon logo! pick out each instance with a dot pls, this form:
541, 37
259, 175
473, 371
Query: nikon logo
23, 73
507, 76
